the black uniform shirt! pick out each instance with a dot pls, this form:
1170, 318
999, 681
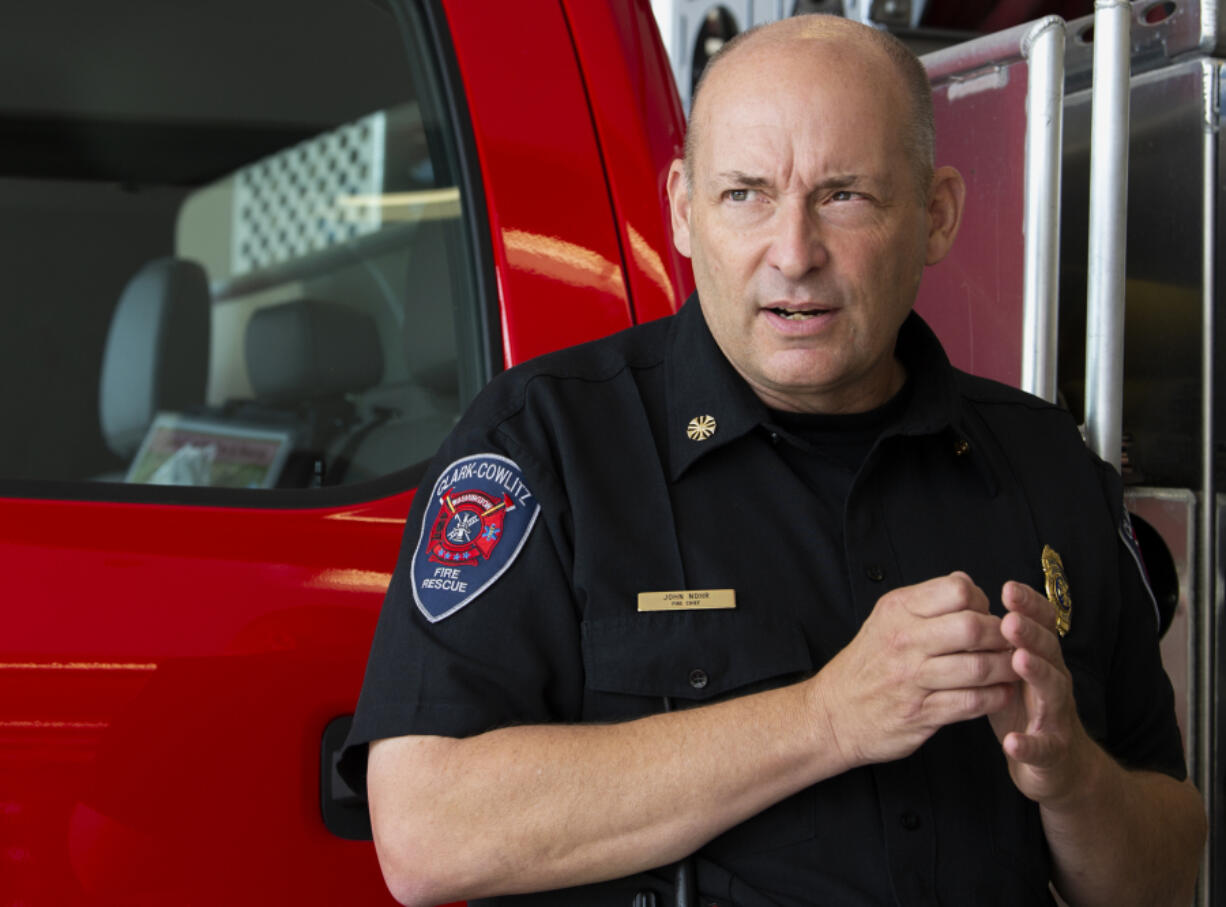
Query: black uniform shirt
644, 463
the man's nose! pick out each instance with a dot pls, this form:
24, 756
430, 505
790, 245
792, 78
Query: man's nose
797, 245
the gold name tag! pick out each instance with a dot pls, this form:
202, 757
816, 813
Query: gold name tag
687, 600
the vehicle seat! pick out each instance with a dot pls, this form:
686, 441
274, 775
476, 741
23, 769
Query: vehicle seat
424, 410
157, 352
306, 361
308, 349
395, 445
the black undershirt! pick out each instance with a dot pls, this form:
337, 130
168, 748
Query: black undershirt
826, 451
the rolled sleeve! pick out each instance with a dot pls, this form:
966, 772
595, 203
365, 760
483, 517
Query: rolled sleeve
510, 655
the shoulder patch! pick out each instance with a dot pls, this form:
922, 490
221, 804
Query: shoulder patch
1128, 536
478, 517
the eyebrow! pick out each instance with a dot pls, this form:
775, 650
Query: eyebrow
841, 181
749, 181
742, 179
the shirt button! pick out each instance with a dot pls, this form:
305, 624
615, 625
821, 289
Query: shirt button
699, 678
874, 573
961, 446
908, 820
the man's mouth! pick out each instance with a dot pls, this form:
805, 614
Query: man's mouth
798, 314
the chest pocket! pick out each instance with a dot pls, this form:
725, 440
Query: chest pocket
692, 656
697, 657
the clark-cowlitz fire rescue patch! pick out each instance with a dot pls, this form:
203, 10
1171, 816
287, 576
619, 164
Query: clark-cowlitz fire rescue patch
476, 521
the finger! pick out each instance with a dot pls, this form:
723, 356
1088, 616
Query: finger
1019, 598
1037, 750
1049, 681
950, 706
1022, 632
946, 595
966, 669
1048, 694
962, 631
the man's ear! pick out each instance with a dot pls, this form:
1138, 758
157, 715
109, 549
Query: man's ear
945, 201
679, 206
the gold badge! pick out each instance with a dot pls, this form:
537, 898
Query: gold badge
700, 428
688, 600
1057, 589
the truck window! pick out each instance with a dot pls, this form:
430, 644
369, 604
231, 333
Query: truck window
235, 247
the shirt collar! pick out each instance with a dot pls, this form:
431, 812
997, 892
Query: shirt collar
703, 389
936, 401
710, 405
934, 394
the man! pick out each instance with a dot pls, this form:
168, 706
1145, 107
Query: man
746, 583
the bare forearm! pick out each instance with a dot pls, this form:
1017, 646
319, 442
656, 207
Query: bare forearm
1116, 836
1128, 838
537, 808
533, 808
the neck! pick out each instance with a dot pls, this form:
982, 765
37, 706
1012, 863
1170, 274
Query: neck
863, 396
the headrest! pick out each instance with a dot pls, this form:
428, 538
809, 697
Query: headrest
157, 351
308, 348
430, 326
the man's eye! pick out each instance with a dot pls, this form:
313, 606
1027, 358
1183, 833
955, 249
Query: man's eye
738, 195
843, 195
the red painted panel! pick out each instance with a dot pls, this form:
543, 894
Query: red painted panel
973, 299
164, 683
555, 241
641, 128
166, 672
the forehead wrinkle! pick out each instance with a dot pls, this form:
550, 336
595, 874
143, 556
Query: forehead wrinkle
747, 152
746, 129
741, 178
794, 162
750, 181
779, 110
761, 157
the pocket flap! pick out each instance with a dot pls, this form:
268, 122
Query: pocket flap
694, 655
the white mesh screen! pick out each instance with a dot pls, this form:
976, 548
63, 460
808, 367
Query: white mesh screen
292, 203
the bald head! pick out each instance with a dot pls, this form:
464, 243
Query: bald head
811, 210
810, 36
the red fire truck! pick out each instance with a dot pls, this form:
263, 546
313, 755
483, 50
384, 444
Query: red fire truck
259, 256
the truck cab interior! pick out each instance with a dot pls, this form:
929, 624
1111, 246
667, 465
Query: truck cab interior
244, 275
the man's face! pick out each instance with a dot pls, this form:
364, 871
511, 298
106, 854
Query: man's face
807, 230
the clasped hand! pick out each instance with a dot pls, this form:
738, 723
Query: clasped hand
932, 654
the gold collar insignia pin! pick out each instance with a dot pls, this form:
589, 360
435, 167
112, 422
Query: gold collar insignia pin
700, 428
1057, 589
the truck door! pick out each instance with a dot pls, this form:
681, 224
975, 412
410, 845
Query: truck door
257, 257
